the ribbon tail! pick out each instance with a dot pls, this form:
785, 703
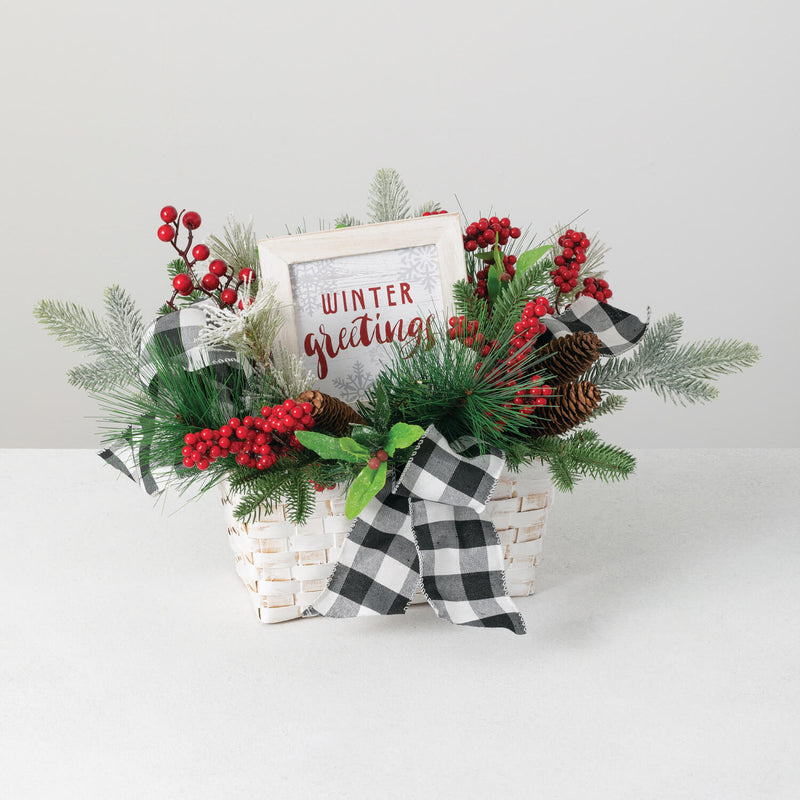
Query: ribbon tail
378, 567
461, 560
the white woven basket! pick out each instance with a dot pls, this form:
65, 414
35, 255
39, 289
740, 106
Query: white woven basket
285, 566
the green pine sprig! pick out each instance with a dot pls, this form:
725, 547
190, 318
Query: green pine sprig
570, 458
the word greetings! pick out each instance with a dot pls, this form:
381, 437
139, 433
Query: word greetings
366, 328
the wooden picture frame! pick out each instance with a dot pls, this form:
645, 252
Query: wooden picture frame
348, 293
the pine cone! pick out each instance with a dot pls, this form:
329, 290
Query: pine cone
330, 413
571, 407
572, 356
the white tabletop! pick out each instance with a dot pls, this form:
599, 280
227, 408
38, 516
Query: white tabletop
661, 660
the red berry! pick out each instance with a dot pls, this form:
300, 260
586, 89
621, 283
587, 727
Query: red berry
201, 252
289, 404
382, 456
470, 245
505, 222
234, 422
472, 229
182, 284
576, 236
585, 243
210, 282
559, 261
191, 220
190, 438
241, 432
373, 463
169, 213
218, 267
188, 462
228, 297
568, 252
483, 224
515, 233
166, 233
246, 274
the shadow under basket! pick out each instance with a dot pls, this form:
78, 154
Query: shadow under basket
285, 566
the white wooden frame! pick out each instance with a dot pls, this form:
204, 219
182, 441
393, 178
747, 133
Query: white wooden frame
279, 254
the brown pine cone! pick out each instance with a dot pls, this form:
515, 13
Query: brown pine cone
574, 403
571, 356
330, 414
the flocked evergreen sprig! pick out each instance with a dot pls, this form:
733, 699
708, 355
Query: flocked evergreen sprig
675, 372
114, 340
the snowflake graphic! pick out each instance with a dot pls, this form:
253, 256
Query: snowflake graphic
422, 266
309, 280
355, 386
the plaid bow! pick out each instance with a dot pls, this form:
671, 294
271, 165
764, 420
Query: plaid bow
428, 526
175, 334
616, 329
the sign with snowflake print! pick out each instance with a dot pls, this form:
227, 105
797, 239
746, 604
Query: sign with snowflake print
368, 289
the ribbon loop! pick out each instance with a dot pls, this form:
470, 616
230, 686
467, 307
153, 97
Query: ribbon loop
428, 528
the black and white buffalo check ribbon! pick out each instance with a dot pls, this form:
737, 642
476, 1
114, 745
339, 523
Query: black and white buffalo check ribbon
178, 335
617, 330
427, 525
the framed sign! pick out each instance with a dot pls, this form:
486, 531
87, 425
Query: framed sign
349, 292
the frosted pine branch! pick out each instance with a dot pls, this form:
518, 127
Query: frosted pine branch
346, 221
114, 340
388, 197
238, 246
681, 374
425, 208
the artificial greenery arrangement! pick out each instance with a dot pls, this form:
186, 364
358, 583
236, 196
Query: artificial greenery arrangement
206, 394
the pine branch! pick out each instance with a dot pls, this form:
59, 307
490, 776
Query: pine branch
611, 404
680, 374
114, 341
346, 221
237, 246
579, 455
509, 304
388, 197
426, 208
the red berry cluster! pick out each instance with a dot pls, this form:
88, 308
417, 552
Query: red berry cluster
467, 331
532, 395
596, 288
568, 264
528, 328
379, 458
321, 487
485, 232
184, 283
255, 441
433, 213
482, 275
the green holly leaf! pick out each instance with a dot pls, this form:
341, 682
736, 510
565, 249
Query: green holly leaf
365, 435
530, 257
330, 447
401, 436
485, 256
366, 485
353, 448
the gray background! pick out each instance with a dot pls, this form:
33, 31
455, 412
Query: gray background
675, 125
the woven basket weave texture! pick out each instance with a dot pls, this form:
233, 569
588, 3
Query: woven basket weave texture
285, 566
